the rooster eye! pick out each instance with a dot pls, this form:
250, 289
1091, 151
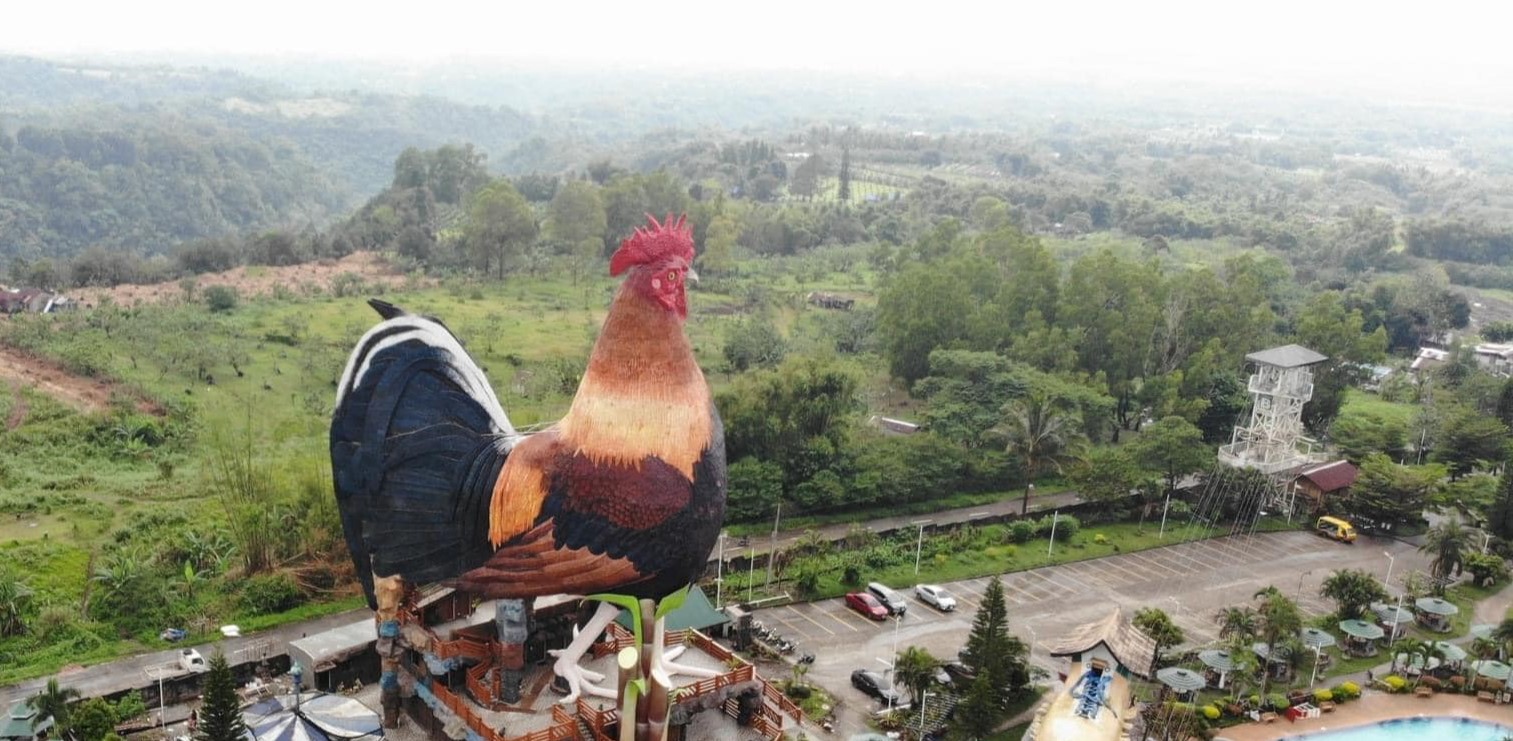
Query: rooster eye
672, 276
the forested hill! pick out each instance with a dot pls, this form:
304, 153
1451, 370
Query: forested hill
144, 158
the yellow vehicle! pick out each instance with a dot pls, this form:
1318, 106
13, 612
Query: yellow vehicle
1335, 528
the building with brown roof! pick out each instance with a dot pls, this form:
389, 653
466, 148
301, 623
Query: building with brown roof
1318, 483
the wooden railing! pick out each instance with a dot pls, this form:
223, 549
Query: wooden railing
599, 721
781, 700
464, 646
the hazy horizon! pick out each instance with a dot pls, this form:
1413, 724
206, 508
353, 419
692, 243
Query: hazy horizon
1317, 48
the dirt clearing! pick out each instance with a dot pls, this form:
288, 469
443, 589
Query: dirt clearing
257, 280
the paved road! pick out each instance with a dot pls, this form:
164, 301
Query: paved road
1191, 581
128, 673
761, 544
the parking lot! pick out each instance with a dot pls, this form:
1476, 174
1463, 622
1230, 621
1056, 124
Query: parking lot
1191, 581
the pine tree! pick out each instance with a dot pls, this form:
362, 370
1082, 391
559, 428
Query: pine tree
221, 713
1505, 404
1500, 514
979, 714
844, 191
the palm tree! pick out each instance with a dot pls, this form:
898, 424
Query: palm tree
15, 598
53, 701
1041, 428
1502, 636
915, 668
1447, 542
1277, 618
1237, 622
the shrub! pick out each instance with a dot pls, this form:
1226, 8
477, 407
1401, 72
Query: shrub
1432, 683
1020, 531
1100, 539
270, 593
1278, 701
1066, 526
1395, 683
1322, 696
1210, 712
220, 298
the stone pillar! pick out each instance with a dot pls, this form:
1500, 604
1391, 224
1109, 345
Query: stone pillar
512, 618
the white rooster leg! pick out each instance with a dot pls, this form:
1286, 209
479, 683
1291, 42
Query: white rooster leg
580, 680
663, 658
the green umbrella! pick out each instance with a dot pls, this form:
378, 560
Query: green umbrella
1181, 680
1261, 651
1492, 668
1315, 638
1450, 651
1362, 629
1482, 631
1415, 661
1386, 613
1436, 606
1217, 660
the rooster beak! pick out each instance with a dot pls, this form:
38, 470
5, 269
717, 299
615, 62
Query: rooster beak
693, 275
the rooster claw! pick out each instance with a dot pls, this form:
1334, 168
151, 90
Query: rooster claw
580, 681
666, 663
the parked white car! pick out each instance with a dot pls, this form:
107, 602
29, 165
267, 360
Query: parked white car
190, 660
936, 597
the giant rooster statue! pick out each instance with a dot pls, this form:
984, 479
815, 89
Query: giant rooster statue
625, 494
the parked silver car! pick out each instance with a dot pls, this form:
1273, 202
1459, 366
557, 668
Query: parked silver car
935, 597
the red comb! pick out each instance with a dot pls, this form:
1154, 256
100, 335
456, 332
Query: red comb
672, 237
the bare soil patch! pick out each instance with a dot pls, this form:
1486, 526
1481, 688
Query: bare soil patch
255, 280
85, 394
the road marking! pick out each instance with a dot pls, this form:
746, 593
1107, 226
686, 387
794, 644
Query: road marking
850, 615
816, 623
1144, 559
1093, 574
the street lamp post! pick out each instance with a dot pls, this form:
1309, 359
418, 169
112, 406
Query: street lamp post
919, 544
1298, 594
719, 572
751, 571
1164, 508
1390, 562
1054, 517
924, 699
1034, 639
1315, 674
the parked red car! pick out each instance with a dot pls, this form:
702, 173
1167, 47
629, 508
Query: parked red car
866, 604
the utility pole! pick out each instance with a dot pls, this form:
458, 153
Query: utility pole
772, 547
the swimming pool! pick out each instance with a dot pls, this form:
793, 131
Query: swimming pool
1415, 729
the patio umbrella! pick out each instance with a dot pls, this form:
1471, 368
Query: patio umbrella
1217, 660
1261, 651
1492, 668
1451, 651
1362, 629
318, 717
1482, 631
1386, 612
1181, 680
1315, 638
1436, 606
1415, 661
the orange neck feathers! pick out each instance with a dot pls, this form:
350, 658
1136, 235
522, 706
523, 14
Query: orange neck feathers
643, 393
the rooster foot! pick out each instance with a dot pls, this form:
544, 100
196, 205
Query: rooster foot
665, 661
580, 681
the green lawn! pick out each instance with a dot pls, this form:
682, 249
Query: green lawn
1361, 401
953, 501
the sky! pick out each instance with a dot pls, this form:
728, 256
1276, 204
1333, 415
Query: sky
1443, 47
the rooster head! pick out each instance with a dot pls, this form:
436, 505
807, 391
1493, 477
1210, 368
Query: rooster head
660, 260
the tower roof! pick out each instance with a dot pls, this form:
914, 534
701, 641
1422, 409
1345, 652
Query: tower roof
1287, 356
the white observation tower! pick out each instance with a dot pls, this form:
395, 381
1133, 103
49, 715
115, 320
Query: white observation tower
1273, 442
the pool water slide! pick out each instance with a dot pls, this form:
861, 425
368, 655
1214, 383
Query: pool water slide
1092, 707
